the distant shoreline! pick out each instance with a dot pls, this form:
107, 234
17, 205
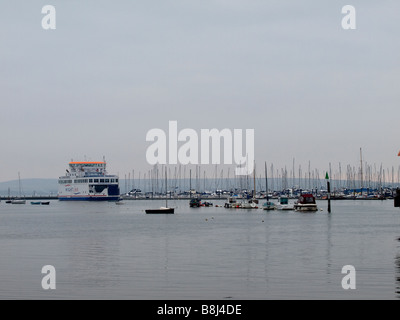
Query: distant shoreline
3, 198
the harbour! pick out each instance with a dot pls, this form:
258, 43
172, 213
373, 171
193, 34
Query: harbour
242, 241
193, 150
155, 198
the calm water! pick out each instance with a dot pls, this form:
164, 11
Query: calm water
108, 251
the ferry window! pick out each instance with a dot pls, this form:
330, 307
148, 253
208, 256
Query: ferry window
90, 180
116, 180
101, 180
107, 180
96, 180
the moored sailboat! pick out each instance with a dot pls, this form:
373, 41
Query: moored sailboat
269, 205
166, 209
19, 200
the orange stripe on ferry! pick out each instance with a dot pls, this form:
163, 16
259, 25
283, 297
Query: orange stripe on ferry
86, 162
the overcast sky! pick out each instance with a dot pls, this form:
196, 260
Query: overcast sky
113, 70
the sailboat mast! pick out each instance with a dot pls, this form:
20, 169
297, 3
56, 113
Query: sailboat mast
266, 179
190, 183
166, 188
361, 171
19, 184
254, 178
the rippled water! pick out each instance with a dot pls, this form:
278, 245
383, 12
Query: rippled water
108, 251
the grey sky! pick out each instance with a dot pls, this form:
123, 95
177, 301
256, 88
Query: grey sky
111, 71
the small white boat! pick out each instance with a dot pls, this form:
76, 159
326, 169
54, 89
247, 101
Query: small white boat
250, 204
232, 203
244, 204
269, 206
306, 203
18, 201
284, 204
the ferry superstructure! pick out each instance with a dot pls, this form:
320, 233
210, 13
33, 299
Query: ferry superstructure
87, 181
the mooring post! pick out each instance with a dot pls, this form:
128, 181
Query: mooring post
397, 198
329, 192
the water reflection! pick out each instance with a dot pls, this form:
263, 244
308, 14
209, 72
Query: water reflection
328, 247
397, 272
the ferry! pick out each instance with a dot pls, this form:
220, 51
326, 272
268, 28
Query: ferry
88, 181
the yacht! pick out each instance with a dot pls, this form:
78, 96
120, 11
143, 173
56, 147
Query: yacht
306, 202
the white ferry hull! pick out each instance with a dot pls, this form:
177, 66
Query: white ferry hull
88, 198
82, 193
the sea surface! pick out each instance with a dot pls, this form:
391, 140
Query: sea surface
109, 251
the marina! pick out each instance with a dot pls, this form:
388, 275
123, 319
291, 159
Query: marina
89, 180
